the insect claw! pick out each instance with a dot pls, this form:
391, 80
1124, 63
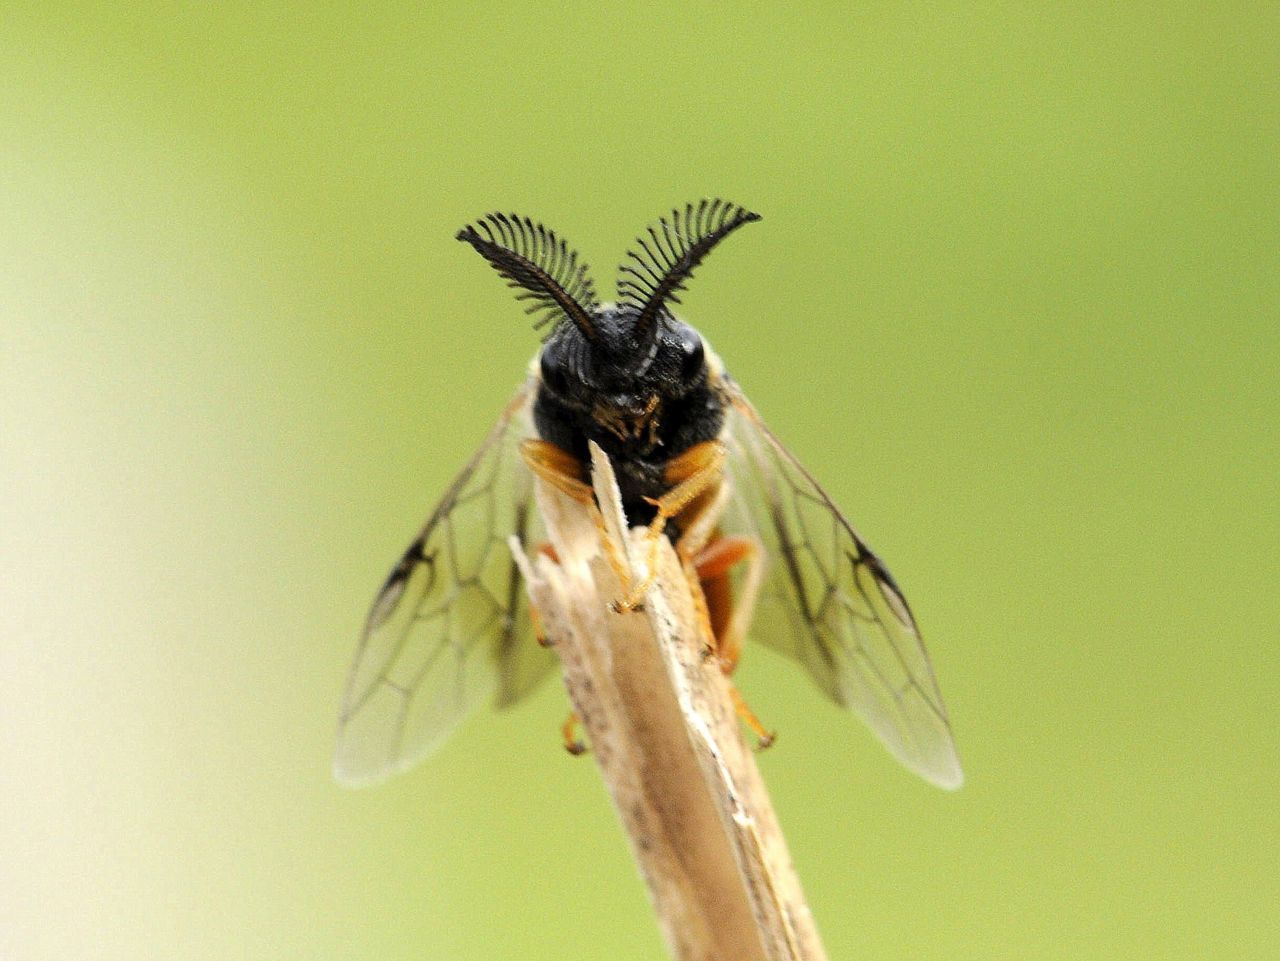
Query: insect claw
766, 741
577, 748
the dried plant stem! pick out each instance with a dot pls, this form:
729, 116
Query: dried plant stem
666, 738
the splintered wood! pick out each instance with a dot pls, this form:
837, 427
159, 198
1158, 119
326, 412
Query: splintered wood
664, 733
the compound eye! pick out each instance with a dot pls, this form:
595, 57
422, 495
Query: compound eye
692, 356
554, 375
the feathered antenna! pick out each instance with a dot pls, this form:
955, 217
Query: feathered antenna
533, 259
676, 245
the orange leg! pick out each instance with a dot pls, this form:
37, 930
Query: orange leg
566, 474
558, 468
569, 731
764, 738
695, 472
728, 621
539, 631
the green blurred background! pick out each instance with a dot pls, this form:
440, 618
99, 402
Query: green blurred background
1014, 301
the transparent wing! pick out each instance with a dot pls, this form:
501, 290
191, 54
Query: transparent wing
450, 628
830, 604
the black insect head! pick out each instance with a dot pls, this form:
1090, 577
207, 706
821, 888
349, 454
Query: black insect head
630, 355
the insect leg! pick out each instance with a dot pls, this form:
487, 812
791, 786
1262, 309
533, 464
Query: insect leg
539, 632
558, 468
569, 731
565, 473
693, 473
730, 618
764, 738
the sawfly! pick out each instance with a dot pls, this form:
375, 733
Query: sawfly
451, 627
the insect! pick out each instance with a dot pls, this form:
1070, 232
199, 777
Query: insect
451, 628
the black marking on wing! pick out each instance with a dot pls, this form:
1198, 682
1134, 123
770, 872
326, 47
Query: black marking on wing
448, 630
836, 609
